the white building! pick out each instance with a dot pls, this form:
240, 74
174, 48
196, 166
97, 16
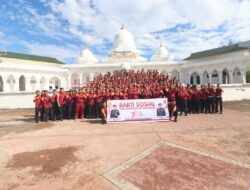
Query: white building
21, 74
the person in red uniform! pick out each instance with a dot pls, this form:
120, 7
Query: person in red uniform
80, 100
211, 100
69, 103
218, 99
98, 103
182, 94
91, 102
38, 105
54, 110
196, 100
104, 113
61, 103
47, 105
189, 99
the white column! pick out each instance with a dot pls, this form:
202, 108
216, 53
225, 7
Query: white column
220, 77
201, 78
210, 77
69, 81
27, 84
243, 74
230, 77
16, 86
81, 76
91, 76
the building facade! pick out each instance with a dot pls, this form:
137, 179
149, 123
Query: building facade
22, 74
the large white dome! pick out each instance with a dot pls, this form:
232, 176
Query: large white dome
87, 57
161, 54
124, 41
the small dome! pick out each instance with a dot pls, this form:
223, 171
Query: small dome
161, 54
124, 41
87, 57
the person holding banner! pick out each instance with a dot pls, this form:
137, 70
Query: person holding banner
104, 113
173, 110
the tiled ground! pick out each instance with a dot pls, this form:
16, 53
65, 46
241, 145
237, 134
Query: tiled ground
198, 152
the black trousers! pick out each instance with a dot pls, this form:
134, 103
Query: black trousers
104, 121
210, 101
37, 112
46, 114
202, 105
196, 106
69, 110
98, 109
190, 106
54, 111
90, 111
61, 110
175, 114
218, 100
183, 106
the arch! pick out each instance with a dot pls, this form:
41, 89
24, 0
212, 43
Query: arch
205, 77
75, 80
175, 75
33, 83
22, 83
237, 76
11, 83
225, 76
195, 78
54, 83
1, 84
85, 78
248, 76
42, 83
164, 72
215, 77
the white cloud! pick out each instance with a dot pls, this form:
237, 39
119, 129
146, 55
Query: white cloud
1, 34
95, 22
60, 52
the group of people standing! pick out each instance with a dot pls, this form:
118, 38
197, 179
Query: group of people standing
90, 101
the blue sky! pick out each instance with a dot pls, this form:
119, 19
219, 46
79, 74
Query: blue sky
62, 28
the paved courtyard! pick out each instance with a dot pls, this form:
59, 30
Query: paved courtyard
201, 151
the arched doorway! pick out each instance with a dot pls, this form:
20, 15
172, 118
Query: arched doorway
42, 83
11, 83
54, 83
85, 79
75, 80
195, 79
225, 76
175, 75
205, 77
22, 83
215, 77
237, 77
1, 84
33, 83
248, 76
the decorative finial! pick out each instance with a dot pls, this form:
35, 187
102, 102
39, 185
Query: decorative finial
122, 27
161, 44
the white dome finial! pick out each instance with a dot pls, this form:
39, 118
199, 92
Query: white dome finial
122, 27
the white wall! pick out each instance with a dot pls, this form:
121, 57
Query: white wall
25, 99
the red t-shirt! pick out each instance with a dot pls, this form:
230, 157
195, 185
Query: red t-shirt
91, 100
80, 98
98, 98
183, 95
70, 99
54, 98
218, 92
47, 102
171, 95
38, 101
62, 98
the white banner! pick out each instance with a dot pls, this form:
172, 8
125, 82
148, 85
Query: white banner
137, 110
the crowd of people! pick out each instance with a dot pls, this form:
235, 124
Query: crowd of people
90, 101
